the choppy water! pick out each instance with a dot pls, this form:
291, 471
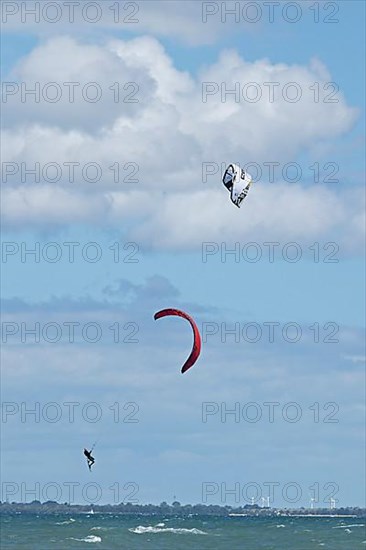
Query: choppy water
109, 532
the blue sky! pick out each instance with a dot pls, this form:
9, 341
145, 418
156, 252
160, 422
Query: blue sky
168, 216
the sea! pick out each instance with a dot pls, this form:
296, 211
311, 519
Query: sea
108, 531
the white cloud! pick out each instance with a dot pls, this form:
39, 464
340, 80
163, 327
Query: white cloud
184, 221
277, 212
50, 206
163, 141
66, 84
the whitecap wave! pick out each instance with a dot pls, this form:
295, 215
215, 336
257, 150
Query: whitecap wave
348, 526
89, 538
155, 529
67, 522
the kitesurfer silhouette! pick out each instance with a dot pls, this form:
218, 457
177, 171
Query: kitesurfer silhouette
89, 458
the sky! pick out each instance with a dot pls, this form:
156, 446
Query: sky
118, 119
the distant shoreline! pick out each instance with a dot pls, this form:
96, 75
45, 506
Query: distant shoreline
177, 509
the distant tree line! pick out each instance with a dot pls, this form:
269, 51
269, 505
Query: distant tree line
175, 509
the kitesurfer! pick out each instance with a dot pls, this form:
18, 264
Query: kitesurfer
89, 458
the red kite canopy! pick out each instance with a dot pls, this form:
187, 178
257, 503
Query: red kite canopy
196, 349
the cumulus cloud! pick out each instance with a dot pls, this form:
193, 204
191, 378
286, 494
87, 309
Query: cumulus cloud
278, 212
69, 85
34, 207
161, 143
180, 221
